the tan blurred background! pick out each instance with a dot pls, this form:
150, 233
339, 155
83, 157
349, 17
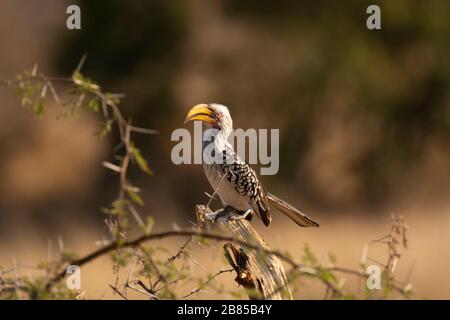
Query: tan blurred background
364, 120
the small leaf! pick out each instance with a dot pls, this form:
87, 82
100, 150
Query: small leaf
85, 83
118, 207
327, 276
148, 226
140, 160
106, 128
308, 256
135, 197
112, 98
38, 108
94, 104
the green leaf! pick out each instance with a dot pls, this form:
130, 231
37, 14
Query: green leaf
118, 207
106, 128
85, 83
327, 276
202, 240
94, 104
111, 98
135, 197
308, 256
38, 108
148, 225
121, 258
140, 160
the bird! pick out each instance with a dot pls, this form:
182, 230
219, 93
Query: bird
233, 179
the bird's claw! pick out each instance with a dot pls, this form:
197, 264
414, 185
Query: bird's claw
227, 215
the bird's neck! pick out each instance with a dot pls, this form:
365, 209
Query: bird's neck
220, 138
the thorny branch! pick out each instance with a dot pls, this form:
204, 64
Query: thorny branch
314, 271
33, 87
203, 285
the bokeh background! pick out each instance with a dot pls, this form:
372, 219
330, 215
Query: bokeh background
364, 120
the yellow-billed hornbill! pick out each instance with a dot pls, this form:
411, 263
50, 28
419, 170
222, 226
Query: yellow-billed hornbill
233, 179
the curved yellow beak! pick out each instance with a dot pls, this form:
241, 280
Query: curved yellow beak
200, 112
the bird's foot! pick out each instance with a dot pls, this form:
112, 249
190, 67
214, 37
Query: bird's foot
227, 215
247, 215
213, 216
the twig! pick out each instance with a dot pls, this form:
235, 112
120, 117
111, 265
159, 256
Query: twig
197, 290
118, 292
174, 233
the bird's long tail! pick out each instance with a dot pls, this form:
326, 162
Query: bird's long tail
294, 214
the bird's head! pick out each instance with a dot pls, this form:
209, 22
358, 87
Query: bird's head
212, 114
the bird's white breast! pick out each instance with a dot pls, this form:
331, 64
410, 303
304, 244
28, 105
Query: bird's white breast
226, 191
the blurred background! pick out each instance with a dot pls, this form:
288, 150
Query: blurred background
364, 119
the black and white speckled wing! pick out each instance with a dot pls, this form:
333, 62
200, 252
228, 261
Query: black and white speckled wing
245, 181
239, 187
